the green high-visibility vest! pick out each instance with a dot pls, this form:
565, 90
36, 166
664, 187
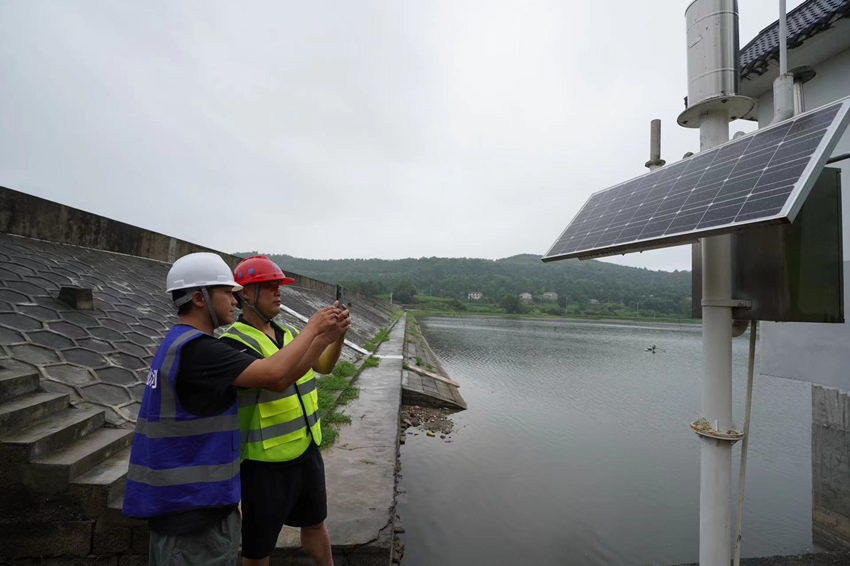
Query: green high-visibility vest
275, 426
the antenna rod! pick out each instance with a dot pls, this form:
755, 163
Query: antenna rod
655, 160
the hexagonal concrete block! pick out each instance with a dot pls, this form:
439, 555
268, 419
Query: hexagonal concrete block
84, 357
138, 338
106, 394
105, 333
127, 361
19, 321
6, 275
13, 297
114, 324
33, 353
41, 313
30, 289
35, 265
71, 374
130, 348
45, 284
50, 339
18, 269
96, 345
122, 317
80, 319
133, 301
68, 329
52, 386
131, 411
137, 391
60, 280
116, 375
8, 336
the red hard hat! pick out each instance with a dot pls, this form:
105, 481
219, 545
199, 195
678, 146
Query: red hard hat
257, 269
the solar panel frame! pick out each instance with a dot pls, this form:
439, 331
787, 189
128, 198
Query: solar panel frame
752, 170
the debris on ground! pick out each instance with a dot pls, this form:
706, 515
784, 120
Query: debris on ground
430, 419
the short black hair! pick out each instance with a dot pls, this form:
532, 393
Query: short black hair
185, 307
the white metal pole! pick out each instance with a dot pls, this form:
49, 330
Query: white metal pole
716, 455
739, 515
783, 39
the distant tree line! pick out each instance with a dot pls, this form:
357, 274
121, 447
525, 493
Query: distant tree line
576, 282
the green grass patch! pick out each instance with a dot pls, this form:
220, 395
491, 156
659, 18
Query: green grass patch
348, 395
336, 418
383, 335
418, 360
330, 432
331, 383
372, 362
327, 401
344, 369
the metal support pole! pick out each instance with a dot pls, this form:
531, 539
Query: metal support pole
716, 455
655, 160
783, 38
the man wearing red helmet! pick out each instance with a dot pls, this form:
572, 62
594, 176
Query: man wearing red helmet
283, 476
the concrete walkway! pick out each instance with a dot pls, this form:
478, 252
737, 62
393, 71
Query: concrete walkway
360, 469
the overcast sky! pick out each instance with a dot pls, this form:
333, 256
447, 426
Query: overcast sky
345, 129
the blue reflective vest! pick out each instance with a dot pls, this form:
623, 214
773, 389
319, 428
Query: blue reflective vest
179, 461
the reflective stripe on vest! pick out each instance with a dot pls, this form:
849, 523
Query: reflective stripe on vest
179, 461
274, 427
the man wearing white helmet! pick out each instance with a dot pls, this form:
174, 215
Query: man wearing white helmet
184, 464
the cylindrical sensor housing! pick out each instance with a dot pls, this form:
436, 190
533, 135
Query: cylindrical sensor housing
713, 65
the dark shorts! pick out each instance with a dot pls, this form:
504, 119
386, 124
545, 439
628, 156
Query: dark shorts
277, 494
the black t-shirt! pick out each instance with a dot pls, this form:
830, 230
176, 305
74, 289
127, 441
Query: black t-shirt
278, 341
204, 385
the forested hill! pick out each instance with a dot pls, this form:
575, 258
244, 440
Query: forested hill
578, 281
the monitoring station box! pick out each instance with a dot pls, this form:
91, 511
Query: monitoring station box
789, 272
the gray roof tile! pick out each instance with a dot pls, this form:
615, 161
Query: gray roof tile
804, 21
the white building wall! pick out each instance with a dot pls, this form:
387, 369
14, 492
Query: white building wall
819, 353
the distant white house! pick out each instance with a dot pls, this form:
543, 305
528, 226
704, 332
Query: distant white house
474, 295
550, 296
594, 302
525, 297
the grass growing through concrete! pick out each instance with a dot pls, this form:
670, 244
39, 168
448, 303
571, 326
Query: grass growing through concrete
349, 395
383, 335
333, 390
372, 362
344, 369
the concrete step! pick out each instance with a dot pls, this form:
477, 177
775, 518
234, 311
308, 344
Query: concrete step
53, 472
15, 383
103, 483
25, 410
113, 514
52, 432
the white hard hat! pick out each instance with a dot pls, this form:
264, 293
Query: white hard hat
202, 269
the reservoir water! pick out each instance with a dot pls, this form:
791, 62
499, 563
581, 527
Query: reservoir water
576, 448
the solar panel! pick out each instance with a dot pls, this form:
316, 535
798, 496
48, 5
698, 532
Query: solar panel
763, 177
